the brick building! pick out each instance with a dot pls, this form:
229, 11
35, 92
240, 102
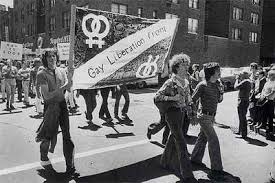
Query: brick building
233, 31
268, 29
50, 19
5, 23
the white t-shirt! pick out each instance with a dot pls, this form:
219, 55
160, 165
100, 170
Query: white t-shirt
269, 88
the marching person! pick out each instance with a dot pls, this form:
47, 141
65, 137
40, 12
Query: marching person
243, 84
209, 94
19, 87
89, 96
2, 82
53, 82
10, 73
24, 73
35, 88
176, 92
104, 111
121, 90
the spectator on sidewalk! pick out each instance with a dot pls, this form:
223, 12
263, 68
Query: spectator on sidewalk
209, 94
24, 73
53, 83
268, 96
121, 90
259, 85
243, 84
252, 100
10, 73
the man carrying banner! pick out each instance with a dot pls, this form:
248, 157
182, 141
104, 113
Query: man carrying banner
53, 83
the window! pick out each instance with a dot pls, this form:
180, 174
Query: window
52, 24
253, 37
257, 2
193, 25
52, 3
32, 7
119, 8
193, 4
66, 19
140, 12
155, 14
22, 15
236, 34
237, 13
170, 16
254, 18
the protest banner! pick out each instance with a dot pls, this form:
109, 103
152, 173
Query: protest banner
12, 51
111, 48
63, 51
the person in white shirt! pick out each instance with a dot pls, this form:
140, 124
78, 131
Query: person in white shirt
268, 94
24, 73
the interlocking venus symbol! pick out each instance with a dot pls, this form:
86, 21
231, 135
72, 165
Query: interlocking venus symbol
148, 68
95, 26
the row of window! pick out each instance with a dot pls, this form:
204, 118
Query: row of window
236, 34
238, 15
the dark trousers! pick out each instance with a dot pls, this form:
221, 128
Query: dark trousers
19, 89
268, 115
174, 119
90, 100
68, 145
104, 111
242, 110
122, 91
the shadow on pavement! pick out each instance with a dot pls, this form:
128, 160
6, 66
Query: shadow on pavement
144, 90
222, 125
52, 176
9, 112
90, 126
255, 142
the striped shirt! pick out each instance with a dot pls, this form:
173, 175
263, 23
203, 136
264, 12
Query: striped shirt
209, 95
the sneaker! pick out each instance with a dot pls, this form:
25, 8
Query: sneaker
149, 134
70, 170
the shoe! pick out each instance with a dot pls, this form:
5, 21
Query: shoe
149, 134
217, 175
108, 120
12, 107
189, 180
72, 110
259, 125
46, 164
196, 163
124, 116
237, 133
269, 136
70, 170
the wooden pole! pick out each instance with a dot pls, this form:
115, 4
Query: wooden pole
72, 41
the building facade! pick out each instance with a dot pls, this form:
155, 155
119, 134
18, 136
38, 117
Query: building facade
5, 23
233, 31
268, 29
50, 20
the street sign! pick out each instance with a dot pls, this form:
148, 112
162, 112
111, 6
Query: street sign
11, 50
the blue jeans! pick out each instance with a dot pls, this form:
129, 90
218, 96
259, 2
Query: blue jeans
207, 134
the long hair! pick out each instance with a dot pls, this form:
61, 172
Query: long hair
44, 58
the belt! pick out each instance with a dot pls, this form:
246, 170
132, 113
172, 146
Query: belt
209, 113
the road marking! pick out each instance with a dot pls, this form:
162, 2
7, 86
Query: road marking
77, 155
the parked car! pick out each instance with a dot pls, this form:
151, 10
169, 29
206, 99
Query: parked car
228, 76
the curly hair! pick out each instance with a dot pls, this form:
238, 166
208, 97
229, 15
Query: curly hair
176, 60
44, 58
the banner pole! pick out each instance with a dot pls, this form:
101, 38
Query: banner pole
72, 41
172, 43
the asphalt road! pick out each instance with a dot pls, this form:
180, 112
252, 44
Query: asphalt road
121, 152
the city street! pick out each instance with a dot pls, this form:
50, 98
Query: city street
122, 152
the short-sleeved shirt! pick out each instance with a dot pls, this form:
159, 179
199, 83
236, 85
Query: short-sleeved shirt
269, 90
24, 73
209, 95
9, 72
54, 80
